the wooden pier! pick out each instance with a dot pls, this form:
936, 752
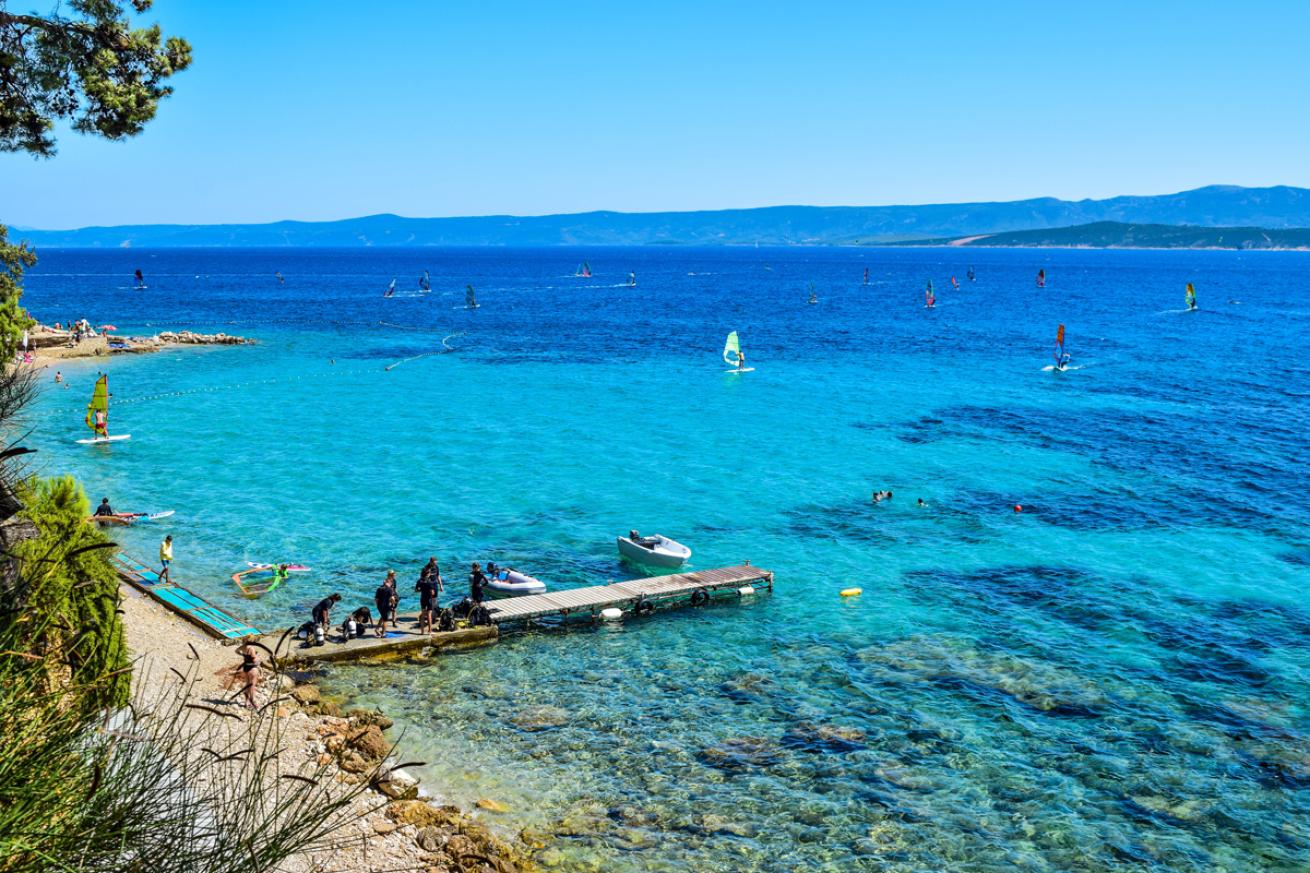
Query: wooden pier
634, 596
180, 601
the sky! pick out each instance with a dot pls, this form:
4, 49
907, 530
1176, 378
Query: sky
324, 110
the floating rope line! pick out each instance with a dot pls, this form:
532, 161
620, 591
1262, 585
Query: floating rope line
445, 350
213, 389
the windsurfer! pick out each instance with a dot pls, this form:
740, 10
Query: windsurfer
741, 360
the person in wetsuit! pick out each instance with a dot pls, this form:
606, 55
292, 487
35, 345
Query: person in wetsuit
477, 579
385, 599
428, 586
104, 509
322, 611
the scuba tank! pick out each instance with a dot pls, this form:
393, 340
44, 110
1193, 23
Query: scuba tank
320, 636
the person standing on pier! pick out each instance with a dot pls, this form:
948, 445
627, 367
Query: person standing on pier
428, 586
166, 559
477, 579
385, 598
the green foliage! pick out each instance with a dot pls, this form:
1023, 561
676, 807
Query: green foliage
168, 784
91, 68
67, 599
14, 259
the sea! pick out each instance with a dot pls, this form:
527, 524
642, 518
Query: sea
1114, 678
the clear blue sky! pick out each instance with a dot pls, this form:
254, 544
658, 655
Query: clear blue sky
320, 110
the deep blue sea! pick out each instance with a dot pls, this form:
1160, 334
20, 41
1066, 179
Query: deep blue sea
1114, 679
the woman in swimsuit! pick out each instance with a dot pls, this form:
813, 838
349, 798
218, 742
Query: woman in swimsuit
249, 670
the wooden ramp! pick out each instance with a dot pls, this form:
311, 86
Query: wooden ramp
636, 595
177, 599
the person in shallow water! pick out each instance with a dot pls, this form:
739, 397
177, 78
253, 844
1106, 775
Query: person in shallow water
385, 599
477, 579
104, 509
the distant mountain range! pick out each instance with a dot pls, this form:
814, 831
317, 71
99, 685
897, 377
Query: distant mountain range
1119, 235
1213, 206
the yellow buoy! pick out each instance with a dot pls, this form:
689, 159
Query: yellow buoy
851, 592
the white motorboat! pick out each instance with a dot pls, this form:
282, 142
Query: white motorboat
656, 551
512, 583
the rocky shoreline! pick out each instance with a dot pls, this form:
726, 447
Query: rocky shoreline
52, 345
398, 826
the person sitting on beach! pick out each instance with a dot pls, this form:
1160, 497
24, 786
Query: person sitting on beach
385, 599
477, 579
322, 615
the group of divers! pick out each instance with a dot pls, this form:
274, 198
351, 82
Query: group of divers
386, 600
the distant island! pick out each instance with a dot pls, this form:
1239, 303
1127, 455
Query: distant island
1121, 235
1217, 206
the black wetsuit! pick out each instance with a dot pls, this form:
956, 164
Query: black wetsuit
104, 509
382, 600
321, 611
427, 592
476, 580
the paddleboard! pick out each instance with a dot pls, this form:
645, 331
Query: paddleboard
291, 568
744, 370
110, 439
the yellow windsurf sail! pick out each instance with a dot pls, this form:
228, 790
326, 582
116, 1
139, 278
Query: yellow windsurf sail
99, 402
732, 350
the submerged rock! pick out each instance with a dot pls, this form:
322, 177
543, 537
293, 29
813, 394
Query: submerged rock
540, 718
811, 737
739, 753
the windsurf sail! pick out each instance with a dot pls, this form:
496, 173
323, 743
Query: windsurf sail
1191, 296
425, 282
391, 289
732, 350
1041, 278
140, 279
280, 279
470, 299
929, 299
99, 404
1060, 357
971, 274
955, 284
866, 275
632, 280
586, 270
814, 298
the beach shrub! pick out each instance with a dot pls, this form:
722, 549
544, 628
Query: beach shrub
167, 784
66, 599
15, 258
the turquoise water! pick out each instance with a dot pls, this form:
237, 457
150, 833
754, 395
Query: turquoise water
1114, 679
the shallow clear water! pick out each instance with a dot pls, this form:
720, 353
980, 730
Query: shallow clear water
1115, 678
